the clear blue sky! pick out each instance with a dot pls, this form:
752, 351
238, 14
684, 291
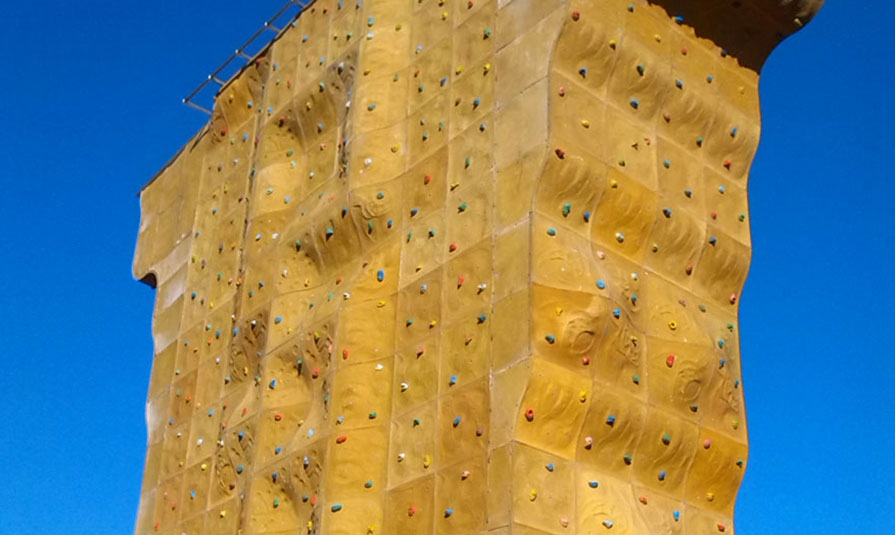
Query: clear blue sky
90, 101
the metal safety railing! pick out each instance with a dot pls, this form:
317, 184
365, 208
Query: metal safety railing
274, 27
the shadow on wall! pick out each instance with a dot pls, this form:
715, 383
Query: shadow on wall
746, 29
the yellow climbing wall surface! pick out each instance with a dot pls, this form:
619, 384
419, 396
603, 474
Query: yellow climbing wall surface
456, 267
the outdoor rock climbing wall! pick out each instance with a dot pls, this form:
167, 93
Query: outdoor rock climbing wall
454, 267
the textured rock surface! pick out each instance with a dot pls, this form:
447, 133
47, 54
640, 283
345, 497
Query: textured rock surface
457, 267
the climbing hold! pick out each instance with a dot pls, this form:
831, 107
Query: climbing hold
529, 414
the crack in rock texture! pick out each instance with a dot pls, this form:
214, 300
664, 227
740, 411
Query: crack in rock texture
456, 267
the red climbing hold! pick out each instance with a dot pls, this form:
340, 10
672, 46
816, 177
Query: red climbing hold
560, 153
576, 15
529, 414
